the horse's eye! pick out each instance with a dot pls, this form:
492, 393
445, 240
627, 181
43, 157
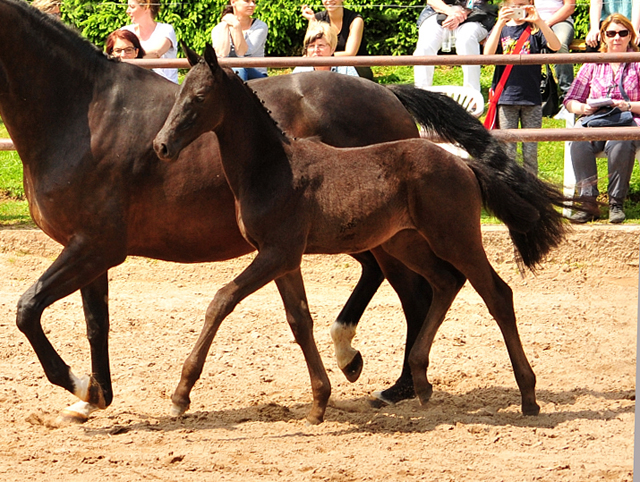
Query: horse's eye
198, 99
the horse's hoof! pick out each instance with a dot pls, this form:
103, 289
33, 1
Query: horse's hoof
531, 410
392, 395
68, 417
425, 395
314, 420
178, 410
353, 370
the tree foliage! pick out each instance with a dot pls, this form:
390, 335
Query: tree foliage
389, 29
390, 26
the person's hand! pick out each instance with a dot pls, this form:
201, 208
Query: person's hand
532, 14
622, 104
504, 15
308, 13
593, 38
586, 109
455, 18
231, 20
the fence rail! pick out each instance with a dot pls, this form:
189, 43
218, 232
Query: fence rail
610, 133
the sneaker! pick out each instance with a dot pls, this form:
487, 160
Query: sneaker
616, 213
582, 217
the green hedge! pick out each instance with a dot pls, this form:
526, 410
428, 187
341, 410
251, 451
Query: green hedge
389, 30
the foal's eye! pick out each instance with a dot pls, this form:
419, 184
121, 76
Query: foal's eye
198, 99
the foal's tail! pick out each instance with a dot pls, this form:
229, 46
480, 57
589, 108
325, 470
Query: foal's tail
518, 198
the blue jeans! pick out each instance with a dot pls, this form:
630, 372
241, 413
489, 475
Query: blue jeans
249, 73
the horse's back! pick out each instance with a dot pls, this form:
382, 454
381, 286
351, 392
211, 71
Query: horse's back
342, 110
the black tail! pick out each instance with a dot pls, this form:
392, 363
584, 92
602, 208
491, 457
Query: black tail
527, 205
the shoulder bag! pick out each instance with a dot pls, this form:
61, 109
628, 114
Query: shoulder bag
611, 116
490, 121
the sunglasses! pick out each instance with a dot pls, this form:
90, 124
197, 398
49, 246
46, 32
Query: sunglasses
613, 33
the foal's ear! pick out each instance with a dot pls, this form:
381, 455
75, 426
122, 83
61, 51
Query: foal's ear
192, 57
211, 58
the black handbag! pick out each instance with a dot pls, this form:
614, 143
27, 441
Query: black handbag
549, 94
611, 116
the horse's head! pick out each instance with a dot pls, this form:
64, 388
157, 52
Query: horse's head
197, 108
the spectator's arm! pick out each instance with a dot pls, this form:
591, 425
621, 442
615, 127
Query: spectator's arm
220, 39
158, 50
455, 14
562, 13
256, 38
595, 10
491, 45
354, 39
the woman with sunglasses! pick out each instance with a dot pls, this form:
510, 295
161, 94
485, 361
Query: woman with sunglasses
598, 81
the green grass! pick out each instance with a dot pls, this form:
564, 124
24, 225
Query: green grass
14, 210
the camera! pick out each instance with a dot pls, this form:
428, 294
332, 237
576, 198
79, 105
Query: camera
519, 13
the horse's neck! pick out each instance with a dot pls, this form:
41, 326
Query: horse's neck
44, 75
250, 140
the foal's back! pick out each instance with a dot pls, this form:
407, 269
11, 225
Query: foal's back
356, 198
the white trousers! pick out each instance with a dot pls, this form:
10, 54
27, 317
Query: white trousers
468, 38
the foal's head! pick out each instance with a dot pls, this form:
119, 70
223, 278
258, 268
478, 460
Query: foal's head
199, 106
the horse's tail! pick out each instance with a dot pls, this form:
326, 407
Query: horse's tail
527, 205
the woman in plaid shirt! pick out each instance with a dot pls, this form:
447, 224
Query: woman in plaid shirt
596, 81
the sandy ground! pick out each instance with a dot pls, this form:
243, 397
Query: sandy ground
577, 320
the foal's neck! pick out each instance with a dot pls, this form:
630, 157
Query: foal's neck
250, 140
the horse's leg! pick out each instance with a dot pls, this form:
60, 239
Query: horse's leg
74, 269
460, 244
95, 303
343, 330
415, 296
266, 266
445, 283
291, 287
498, 297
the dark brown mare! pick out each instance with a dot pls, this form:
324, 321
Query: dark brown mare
83, 126
409, 199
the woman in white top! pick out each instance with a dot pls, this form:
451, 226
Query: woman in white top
158, 39
321, 40
240, 35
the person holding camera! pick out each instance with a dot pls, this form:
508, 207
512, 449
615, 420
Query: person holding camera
467, 21
520, 101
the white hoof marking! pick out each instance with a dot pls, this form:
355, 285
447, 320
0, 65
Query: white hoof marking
81, 386
342, 335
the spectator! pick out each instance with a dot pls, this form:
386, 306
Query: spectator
320, 41
52, 7
240, 35
595, 81
520, 102
350, 28
599, 10
158, 39
557, 14
124, 44
451, 17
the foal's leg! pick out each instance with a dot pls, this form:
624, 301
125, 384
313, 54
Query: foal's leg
293, 295
343, 330
415, 294
74, 269
266, 266
445, 282
460, 244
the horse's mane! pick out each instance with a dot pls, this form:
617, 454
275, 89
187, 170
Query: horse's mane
56, 38
253, 95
